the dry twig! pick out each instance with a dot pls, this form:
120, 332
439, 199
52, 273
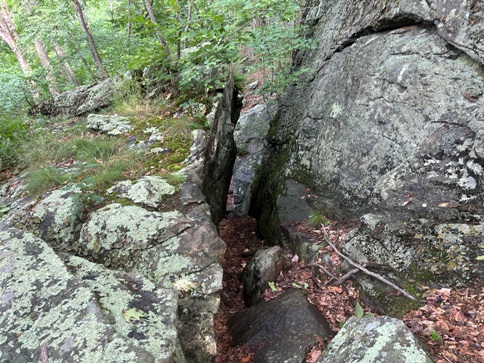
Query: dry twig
366, 271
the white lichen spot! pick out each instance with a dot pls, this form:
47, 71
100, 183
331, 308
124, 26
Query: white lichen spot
336, 110
467, 182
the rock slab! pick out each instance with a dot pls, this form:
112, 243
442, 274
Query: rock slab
280, 330
374, 340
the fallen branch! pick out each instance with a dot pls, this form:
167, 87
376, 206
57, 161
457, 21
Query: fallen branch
326, 271
346, 276
366, 271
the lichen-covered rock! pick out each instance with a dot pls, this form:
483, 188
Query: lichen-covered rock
118, 235
78, 311
374, 340
148, 190
280, 330
389, 123
57, 218
79, 100
109, 124
262, 269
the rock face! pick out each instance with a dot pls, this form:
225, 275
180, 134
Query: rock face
282, 329
372, 340
389, 125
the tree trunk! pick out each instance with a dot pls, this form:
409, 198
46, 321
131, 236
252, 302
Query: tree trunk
97, 58
67, 67
8, 33
45, 60
149, 8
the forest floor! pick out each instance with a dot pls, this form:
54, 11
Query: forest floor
450, 322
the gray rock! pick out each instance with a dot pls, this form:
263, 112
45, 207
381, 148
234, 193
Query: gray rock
109, 124
118, 235
280, 330
262, 269
148, 190
80, 100
389, 123
249, 135
221, 152
78, 311
57, 218
372, 340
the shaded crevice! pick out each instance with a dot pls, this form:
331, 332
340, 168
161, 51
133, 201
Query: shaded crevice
384, 25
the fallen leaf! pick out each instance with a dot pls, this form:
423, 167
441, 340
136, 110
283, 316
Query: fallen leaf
313, 356
245, 359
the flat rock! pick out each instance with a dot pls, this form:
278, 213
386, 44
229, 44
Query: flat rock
280, 330
374, 340
148, 190
109, 124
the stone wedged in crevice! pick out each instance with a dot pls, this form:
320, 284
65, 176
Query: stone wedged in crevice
221, 152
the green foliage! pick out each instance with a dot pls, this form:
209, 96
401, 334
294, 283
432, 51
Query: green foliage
316, 219
359, 313
173, 178
272, 286
43, 179
13, 133
435, 336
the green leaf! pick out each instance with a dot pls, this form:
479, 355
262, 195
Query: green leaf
272, 285
435, 336
296, 285
359, 313
480, 258
132, 314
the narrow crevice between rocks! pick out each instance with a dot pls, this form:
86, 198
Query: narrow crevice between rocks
385, 25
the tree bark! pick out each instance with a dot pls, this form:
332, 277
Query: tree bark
8, 33
45, 60
67, 67
97, 58
151, 14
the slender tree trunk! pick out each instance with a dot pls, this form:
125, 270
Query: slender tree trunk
29, 8
8, 33
151, 14
45, 60
128, 27
73, 42
97, 58
67, 67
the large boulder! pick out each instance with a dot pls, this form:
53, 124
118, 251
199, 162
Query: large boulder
389, 126
375, 339
280, 330
69, 309
80, 100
